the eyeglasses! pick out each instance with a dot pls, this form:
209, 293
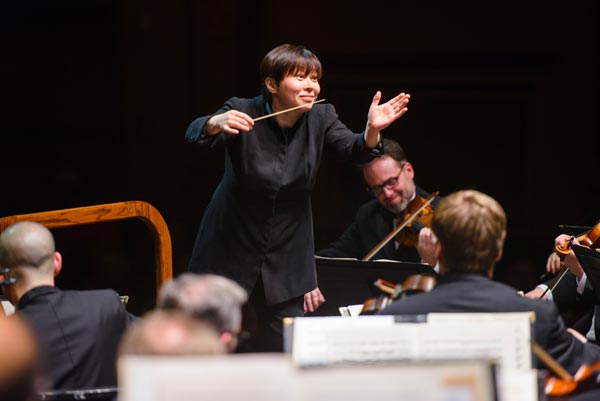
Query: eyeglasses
390, 184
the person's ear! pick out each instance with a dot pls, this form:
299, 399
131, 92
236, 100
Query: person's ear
440, 258
409, 170
270, 84
229, 340
57, 263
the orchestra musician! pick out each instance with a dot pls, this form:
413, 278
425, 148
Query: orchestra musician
390, 179
470, 228
257, 228
574, 290
78, 331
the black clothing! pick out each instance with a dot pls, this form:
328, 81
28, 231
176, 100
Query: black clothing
373, 222
477, 293
259, 220
78, 332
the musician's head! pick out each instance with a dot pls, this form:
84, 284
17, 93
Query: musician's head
290, 77
214, 299
27, 248
18, 360
470, 227
170, 332
390, 178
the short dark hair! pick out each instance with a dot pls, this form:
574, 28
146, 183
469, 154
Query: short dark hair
287, 60
394, 150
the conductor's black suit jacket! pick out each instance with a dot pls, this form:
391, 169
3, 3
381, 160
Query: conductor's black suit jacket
259, 220
78, 331
477, 293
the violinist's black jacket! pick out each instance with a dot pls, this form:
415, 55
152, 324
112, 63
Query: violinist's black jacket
473, 292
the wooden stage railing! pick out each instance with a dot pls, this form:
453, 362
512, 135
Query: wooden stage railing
110, 212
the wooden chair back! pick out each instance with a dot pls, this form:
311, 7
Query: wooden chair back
111, 212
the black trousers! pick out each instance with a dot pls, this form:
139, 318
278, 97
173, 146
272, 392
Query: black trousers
269, 319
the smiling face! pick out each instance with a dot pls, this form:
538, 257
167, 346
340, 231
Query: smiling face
287, 62
294, 90
391, 184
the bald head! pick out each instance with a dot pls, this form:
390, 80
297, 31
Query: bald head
27, 244
27, 248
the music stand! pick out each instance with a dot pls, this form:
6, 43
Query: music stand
346, 282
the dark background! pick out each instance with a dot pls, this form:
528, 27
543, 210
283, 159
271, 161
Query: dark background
97, 94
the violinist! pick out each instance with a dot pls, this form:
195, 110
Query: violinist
573, 291
390, 179
470, 228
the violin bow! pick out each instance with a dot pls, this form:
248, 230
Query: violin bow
552, 364
399, 228
557, 279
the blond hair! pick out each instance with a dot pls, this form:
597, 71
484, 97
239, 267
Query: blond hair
471, 228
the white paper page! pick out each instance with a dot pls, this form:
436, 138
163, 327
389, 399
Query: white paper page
503, 337
325, 340
271, 377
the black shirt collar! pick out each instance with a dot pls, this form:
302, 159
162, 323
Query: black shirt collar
34, 293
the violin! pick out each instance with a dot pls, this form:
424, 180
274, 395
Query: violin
421, 209
590, 239
583, 380
413, 284
409, 236
562, 385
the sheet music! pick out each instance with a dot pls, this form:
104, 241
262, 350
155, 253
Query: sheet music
326, 340
350, 310
502, 337
271, 377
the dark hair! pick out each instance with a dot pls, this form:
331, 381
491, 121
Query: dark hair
394, 150
287, 60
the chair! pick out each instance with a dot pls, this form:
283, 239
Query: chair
97, 394
111, 212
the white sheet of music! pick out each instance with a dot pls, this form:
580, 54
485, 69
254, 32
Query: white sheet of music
271, 377
326, 340
503, 337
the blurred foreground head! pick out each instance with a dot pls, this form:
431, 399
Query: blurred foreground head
213, 299
170, 333
18, 360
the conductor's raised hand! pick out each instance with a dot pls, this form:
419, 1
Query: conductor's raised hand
382, 115
231, 122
